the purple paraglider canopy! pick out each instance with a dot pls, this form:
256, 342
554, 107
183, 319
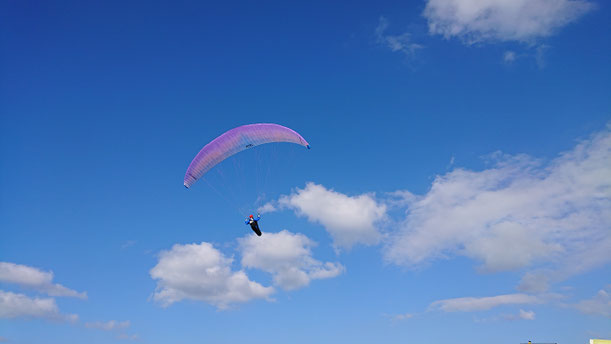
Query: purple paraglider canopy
235, 141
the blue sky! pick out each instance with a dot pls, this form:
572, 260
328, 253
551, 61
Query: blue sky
457, 189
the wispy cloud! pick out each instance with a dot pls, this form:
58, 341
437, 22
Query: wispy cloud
540, 52
471, 304
397, 43
36, 279
127, 336
522, 315
288, 257
201, 272
600, 304
502, 20
509, 57
14, 305
110, 325
403, 316
128, 244
520, 213
118, 327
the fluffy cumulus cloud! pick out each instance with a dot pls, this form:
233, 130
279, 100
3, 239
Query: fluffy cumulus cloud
471, 304
600, 304
520, 213
396, 43
288, 257
14, 305
349, 220
501, 20
36, 279
201, 272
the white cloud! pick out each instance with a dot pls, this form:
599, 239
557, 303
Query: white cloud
526, 315
598, 305
288, 257
522, 315
501, 20
349, 220
128, 336
400, 198
110, 325
471, 304
535, 281
540, 52
396, 43
201, 272
520, 213
118, 327
267, 208
537, 53
128, 244
36, 279
13, 305
509, 56
404, 316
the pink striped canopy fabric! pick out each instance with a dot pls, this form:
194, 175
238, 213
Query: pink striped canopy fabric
235, 141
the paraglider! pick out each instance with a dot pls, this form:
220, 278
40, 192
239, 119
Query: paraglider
254, 223
235, 141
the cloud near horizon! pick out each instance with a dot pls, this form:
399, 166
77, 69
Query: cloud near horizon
524, 315
472, 304
600, 304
